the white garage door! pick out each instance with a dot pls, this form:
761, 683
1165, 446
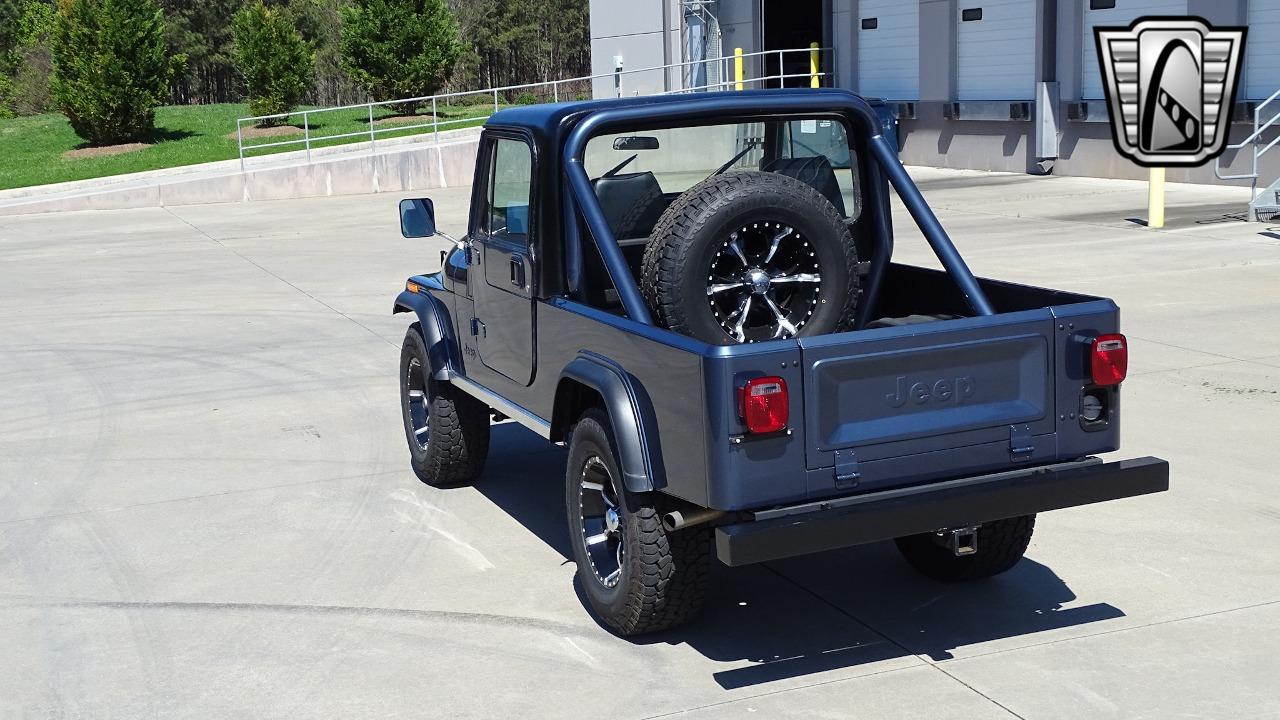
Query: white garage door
1262, 51
1124, 12
995, 50
889, 49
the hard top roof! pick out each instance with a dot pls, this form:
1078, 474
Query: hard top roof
547, 117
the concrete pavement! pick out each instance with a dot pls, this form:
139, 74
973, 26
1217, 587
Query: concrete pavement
206, 508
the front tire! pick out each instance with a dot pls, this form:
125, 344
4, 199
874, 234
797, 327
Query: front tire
637, 577
447, 430
1001, 544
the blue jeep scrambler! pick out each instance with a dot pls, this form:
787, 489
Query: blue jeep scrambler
696, 294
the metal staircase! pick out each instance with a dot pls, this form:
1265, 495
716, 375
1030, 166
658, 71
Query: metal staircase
1264, 206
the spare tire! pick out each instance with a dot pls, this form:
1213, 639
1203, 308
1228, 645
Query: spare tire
751, 256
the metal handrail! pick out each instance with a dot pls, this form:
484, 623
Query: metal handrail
746, 81
1252, 139
1256, 110
436, 124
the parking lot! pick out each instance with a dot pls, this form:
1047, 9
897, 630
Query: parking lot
206, 506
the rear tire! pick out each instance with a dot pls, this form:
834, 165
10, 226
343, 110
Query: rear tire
1001, 544
447, 430
637, 577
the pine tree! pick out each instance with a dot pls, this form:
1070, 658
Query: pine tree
111, 67
514, 42
201, 31
320, 22
275, 61
399, 48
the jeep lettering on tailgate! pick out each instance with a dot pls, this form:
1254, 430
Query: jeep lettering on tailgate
942, 391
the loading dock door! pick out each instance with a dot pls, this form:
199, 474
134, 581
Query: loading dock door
888, 49
996, 50
1124, 12
1262, 52
790, 24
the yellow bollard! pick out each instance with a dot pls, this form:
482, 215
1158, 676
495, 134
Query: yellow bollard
737, 68
1155, 198
813, 65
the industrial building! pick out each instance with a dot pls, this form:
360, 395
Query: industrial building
985, 84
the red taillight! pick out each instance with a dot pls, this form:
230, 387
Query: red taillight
763, 404
1109, 357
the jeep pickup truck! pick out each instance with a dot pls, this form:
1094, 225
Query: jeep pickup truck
696, 294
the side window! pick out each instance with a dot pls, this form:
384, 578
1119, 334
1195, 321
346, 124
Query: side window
510, 186
820, 137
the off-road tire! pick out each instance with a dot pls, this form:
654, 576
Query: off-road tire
457, 424
1001, 544
664, 575
673, 275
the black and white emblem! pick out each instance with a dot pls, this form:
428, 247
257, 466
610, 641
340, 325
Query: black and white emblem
1170, 85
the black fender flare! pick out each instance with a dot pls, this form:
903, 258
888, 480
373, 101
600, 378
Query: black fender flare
635, 427
437, 332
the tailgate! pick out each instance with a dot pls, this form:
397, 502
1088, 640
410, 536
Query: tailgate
938, 386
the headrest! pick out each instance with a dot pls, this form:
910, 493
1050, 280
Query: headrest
632, 203
814, 171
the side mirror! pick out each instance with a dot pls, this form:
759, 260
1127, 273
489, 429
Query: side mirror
417, 218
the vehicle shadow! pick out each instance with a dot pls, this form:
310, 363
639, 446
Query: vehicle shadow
810, 614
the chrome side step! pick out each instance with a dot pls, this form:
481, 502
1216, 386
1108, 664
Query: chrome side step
503, 405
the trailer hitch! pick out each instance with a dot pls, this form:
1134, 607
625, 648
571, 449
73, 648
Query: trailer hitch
961, 541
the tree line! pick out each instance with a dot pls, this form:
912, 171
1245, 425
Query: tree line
275, 53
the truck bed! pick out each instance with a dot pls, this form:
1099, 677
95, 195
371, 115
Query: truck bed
870, 409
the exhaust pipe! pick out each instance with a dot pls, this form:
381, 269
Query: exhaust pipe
678, 519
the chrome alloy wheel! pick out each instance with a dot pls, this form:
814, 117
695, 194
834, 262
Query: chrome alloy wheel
419, 408
601, 520
764, 282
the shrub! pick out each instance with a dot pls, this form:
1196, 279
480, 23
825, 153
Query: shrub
29, 88
526, 98
399, 48
26, 65
6, 96
480, 98
32, 62
111, 68
276, 62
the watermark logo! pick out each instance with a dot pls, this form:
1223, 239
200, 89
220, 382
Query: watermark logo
1170, 85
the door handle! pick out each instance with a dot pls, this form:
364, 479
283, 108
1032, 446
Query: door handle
517, 271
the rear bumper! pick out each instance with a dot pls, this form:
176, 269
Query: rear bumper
855, 520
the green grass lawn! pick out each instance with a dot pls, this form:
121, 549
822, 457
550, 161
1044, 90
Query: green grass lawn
32, 148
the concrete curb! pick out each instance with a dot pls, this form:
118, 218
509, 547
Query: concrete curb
422, 164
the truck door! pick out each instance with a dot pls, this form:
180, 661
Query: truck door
502, 295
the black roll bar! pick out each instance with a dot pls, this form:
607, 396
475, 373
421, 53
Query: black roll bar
582, 198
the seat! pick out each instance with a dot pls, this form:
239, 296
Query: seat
632, 203
814, 171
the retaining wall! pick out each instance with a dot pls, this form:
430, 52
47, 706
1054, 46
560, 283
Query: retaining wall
419, 165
